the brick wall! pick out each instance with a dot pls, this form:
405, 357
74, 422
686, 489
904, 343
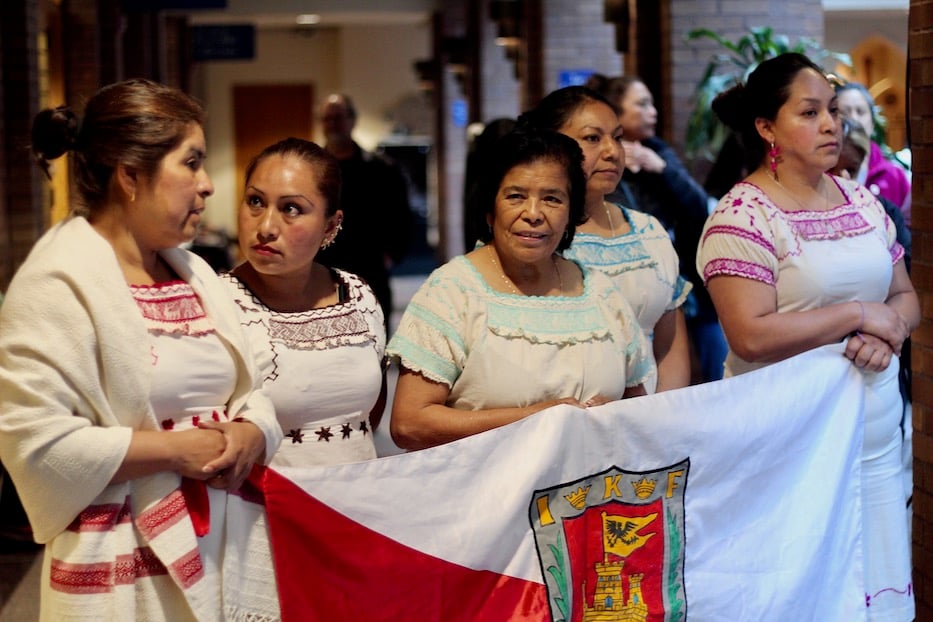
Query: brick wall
23, 201
920, 120
731, 19
6, 262
500, 88
577, 37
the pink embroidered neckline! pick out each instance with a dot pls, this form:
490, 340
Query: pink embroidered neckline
171, 308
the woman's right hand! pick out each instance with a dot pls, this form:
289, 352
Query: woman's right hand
185, 452
869, 352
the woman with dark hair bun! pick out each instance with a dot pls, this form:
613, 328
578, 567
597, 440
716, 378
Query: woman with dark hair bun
513, 328
794, 259
132, 406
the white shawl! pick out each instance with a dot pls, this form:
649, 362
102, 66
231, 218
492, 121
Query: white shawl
75, 382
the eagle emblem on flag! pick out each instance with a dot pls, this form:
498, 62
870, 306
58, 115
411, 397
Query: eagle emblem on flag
611, 545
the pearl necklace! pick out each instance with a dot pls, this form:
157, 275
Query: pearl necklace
511, 285
796, 200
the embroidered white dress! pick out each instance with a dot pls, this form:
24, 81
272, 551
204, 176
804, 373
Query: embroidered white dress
814, 259
502, 350
322, 369
642, 263
185, 351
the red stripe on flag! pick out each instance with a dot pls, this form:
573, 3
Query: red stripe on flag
329, 567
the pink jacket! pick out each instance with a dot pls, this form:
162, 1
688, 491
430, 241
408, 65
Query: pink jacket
889, 180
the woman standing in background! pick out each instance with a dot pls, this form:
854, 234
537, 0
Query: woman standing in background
632, 247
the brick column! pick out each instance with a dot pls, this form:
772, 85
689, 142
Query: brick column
731, 19
23, 200
920, 120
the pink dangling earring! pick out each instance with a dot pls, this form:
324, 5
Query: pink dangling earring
773, 154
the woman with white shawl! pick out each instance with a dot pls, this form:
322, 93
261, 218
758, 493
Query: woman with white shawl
131, 405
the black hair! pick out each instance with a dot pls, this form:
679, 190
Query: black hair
762, 95
525, 146
557, 107
318, 158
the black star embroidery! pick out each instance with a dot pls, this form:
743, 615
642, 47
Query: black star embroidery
345, 430
364, 428
297, 436
324, 434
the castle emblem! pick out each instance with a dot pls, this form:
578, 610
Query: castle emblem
611, 546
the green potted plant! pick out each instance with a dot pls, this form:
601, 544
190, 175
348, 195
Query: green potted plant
705, 132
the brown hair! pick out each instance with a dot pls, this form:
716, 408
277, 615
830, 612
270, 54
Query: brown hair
135, 122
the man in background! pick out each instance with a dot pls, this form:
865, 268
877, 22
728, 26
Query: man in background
377, 220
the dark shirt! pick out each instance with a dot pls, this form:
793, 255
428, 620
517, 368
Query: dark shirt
377, 222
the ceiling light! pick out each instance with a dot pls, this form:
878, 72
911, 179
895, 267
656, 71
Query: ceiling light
307, 19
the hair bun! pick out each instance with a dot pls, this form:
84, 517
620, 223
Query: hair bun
54, 132
731, 108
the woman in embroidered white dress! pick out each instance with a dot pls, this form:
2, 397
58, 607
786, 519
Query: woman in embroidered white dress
131, 404
795, 259
317, 332
632, 247
513, 328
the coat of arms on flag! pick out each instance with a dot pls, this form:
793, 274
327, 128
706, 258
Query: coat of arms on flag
611, 545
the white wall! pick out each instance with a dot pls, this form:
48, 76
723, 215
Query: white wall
844, 30
373, 64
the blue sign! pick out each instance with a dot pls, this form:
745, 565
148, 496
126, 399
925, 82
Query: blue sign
573, 77
459, 112
226, 42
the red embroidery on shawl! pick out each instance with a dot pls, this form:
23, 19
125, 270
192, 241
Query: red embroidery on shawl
81, 578
142, 563
187, 569
163, 515
101, 577
101, 517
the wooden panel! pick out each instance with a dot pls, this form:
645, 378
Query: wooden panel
266, 113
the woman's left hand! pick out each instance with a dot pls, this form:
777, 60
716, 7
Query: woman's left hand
245, 445
869, 352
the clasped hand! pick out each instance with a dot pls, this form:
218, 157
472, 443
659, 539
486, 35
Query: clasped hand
638, 157
220, 453
882, 335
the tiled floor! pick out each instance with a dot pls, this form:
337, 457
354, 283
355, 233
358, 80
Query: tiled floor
21, 559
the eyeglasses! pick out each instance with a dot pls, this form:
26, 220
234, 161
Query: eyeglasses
847, 125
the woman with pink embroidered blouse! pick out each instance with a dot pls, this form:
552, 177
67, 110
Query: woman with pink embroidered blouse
131, 405
795, 259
